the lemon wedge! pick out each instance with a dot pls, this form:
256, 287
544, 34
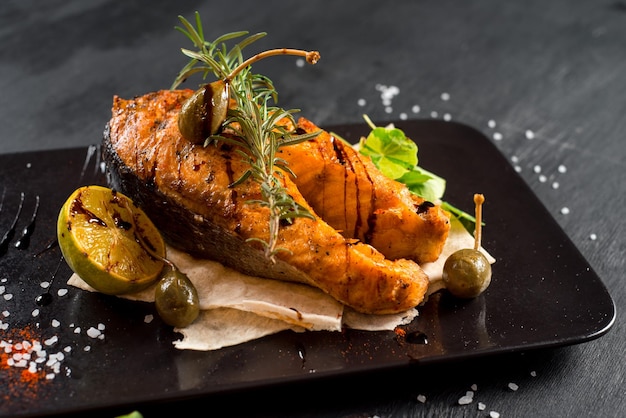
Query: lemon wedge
109, 242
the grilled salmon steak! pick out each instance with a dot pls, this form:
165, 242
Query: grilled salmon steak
184, 189
347, 190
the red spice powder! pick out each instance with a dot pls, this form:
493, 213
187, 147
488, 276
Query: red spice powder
20, 382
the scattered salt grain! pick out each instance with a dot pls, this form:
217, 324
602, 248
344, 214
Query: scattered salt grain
148, 318
387, 93
593, 237
388, 109
491, 123
494, 414
44, 284
445, 96
29, 165
300, 62
530, 134
403, 116
513, 386
6, 313
62, 292
87, 348
447, 117
8, 296
35, 313
497, 136
2, 289
562, 169
421, 398
466, 399
434, 114
555, 185
77, 330
565, 211
51, 341
474, 387
543, 178
533, 373
361, 102
93, 332
481, 406
415, 109
55, 323
537, 169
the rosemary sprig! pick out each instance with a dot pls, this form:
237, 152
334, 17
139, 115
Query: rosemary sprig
259, 128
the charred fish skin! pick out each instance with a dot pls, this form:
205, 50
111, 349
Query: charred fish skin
185, 189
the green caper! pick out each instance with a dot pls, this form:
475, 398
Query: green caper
467, 273
176, 299
204, 112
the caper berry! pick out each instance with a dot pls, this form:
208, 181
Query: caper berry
204, 112
467, 273
176, 298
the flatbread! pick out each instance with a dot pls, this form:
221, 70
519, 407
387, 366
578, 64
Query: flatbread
236, 308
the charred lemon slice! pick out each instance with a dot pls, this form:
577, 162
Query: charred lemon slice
109, 242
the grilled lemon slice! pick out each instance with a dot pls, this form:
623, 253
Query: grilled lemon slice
109, 242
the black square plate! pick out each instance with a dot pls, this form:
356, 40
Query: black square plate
543, 294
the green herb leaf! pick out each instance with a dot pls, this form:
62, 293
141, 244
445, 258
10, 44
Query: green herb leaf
395, 156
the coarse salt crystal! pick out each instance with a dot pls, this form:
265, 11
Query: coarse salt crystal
148, 318
491, 123
537, 169
62, 292
593, 237
44, 284
415, 109
361, 102
403, 116
494, 414
543, 178
467, 398
562, 168
447, 117
52, 340
481, 406
513, 386
445, 96
2, 289
565, 211
555, 185
533, 373
421, 398
300, 62
434, 114
35, 312
55, 323
93, 332
8, 296
497, 136
530, 134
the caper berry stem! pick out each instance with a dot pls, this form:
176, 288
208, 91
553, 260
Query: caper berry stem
311, 57
479, 199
